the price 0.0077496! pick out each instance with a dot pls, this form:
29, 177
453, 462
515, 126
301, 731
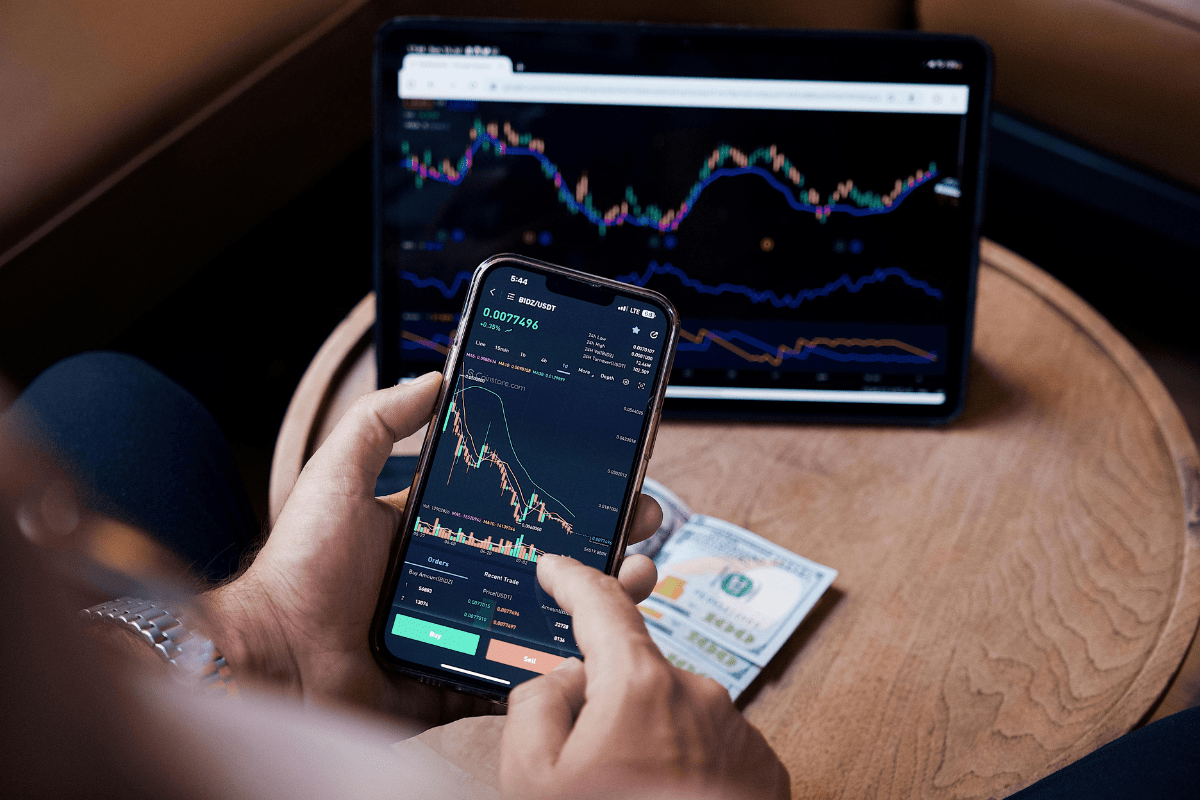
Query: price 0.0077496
515, 319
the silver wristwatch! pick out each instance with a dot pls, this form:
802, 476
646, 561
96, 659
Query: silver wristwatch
166, 630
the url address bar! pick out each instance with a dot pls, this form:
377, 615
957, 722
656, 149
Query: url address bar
433, 78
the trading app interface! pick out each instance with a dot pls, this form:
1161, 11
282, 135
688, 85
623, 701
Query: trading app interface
807, 231
532, 456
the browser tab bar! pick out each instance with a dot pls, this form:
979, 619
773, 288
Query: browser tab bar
450, 63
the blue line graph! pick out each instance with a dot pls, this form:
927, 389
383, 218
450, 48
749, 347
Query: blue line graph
448, 290
788, 300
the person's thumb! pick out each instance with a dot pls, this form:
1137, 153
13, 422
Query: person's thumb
363, 438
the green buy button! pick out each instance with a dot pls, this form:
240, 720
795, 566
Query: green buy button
440, 635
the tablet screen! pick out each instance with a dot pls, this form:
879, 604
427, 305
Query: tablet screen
808, 201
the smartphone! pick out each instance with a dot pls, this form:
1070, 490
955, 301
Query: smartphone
549, 406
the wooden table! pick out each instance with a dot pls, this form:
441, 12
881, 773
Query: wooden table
1015, 589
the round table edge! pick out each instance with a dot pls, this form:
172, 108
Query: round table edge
353, 335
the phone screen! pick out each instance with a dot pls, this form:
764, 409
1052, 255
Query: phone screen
534, 454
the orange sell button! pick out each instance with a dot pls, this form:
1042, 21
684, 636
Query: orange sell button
522, 657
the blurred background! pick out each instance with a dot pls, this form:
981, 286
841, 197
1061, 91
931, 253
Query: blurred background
191, 182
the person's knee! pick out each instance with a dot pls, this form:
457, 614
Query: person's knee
86, 379
144, 451
117, 398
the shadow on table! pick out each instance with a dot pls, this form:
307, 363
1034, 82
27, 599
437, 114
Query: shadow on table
989, 399
795, 642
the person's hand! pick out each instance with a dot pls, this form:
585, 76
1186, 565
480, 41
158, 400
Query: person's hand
624, 722
299, 616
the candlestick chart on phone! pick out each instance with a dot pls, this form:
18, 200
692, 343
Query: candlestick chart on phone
482, 494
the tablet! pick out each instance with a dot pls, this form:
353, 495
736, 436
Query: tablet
810, 201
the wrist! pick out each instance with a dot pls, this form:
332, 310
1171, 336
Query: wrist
123, 651
240, 619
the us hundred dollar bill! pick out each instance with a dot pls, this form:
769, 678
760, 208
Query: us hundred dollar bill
735, 588
692, 650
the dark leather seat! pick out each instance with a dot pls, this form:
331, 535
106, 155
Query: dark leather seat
1120, 75
139, 138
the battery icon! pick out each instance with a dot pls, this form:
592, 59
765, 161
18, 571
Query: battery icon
647, 313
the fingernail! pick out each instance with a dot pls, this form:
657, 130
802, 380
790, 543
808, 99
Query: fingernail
569, 662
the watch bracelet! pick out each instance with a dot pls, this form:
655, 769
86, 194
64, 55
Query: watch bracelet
165, 629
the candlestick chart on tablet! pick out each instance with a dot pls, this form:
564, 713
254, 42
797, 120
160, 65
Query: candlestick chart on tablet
805, 248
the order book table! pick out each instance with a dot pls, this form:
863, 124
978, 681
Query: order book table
1014, 590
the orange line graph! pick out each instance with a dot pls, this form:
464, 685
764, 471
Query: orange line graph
801, 344
412, 337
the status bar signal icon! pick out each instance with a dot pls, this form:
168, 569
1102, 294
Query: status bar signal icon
622, 308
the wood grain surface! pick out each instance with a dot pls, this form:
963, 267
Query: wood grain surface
1015, 589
